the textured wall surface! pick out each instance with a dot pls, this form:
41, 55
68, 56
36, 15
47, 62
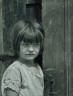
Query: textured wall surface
1, 28
1, 41
70, 29
53, 57
13, 10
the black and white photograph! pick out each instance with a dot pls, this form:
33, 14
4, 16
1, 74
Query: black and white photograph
36, 48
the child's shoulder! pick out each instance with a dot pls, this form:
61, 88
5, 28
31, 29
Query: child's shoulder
14, 68
15, 65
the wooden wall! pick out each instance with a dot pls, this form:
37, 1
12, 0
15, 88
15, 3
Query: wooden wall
1, 42
53, 18
70, 31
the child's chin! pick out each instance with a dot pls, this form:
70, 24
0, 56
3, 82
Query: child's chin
30, 58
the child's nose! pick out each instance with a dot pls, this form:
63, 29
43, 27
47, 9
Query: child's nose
31, 48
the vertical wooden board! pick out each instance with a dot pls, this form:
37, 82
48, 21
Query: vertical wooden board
1, 43
2, 69
13, 10
70, 32
71, 59
1, 28
54, 46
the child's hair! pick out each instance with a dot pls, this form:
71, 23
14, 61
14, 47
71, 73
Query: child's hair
29, 32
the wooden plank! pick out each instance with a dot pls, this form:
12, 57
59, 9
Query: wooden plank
70, 36
54, 47
1, 29
1, 42
13, 10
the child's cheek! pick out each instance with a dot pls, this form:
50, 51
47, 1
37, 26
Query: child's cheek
37, 50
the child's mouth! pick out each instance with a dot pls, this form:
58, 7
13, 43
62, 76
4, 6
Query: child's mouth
30, 54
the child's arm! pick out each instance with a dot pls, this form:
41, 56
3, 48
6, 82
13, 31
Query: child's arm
11, 83
10, 92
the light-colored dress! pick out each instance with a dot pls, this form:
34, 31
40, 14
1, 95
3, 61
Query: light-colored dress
19, 78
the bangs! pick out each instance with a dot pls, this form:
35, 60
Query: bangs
31, 35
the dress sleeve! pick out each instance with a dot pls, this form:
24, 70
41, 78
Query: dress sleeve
11, 79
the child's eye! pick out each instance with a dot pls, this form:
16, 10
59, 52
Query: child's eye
25, 45
36, 44
33, 44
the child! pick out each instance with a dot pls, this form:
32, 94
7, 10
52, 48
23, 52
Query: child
24, 76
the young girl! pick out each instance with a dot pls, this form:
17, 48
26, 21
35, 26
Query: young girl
24, 76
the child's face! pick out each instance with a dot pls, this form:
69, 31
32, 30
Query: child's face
29, 51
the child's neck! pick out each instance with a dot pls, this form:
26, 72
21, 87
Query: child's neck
28, 63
